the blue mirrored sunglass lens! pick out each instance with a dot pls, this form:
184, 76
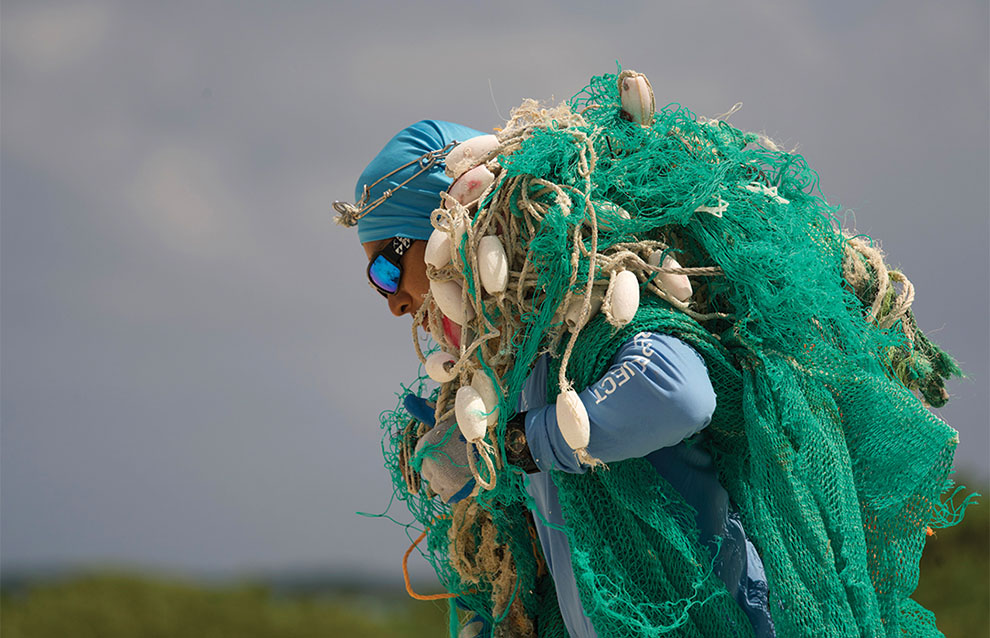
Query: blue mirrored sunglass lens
384, 274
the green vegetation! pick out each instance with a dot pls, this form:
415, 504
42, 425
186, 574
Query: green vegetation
129, 606
954, 584
955, 573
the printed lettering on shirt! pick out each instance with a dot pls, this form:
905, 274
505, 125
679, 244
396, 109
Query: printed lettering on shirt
642, 341
598, 397
601, 391
608, 379
622, 374
642, 361
618, 376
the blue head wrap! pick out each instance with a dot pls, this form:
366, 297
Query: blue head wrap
407, 212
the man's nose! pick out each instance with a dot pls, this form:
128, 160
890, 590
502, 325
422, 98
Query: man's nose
399, 303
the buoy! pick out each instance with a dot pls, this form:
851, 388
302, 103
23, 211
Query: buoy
438, 249
469, 409
573, 315
468, 154
493, 265
471, 630
440, 366
454, 223
484, 386
678, 286
448, 295
572, 419
471, 185
624, 298
609, 213
637, 97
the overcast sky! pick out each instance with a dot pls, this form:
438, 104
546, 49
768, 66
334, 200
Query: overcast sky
192, 361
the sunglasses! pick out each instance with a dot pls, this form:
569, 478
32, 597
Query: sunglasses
385, 267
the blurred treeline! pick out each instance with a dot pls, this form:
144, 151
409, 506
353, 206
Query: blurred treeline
955, 584
119, 605
955, 573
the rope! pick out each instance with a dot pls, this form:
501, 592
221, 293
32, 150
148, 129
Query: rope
875, 288
405, 575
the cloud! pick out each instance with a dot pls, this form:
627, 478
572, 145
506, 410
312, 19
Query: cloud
180, 194
55, 38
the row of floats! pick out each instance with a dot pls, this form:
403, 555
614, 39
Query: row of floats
476, 404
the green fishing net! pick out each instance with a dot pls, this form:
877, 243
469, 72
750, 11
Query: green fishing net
821, 436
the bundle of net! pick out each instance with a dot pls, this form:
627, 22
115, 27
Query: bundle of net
576, 227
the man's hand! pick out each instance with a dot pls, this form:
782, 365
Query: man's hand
443, 452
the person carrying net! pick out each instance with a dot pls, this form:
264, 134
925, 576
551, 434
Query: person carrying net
579, 368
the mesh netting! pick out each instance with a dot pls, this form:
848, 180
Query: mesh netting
834, 463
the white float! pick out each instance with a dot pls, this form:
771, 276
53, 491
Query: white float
572, 419
485, 388
469, 409
493, 265
471, 185
471, 630
612, 212
678, 286
449, 297
637, 97
624, 298
438, 249
573, 315
440, 366
469, 154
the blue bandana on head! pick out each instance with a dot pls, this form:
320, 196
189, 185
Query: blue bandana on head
407, 212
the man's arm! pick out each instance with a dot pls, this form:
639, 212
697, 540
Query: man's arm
656, 394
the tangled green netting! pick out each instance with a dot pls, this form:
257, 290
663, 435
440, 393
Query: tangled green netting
835, 465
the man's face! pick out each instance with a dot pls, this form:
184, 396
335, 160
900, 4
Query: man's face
414, 283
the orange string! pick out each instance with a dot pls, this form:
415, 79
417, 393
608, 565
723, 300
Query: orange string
540, 566
405, 575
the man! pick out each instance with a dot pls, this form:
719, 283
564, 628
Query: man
817, 449
654, 402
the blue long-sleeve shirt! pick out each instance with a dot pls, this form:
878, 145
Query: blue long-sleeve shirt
655, 397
